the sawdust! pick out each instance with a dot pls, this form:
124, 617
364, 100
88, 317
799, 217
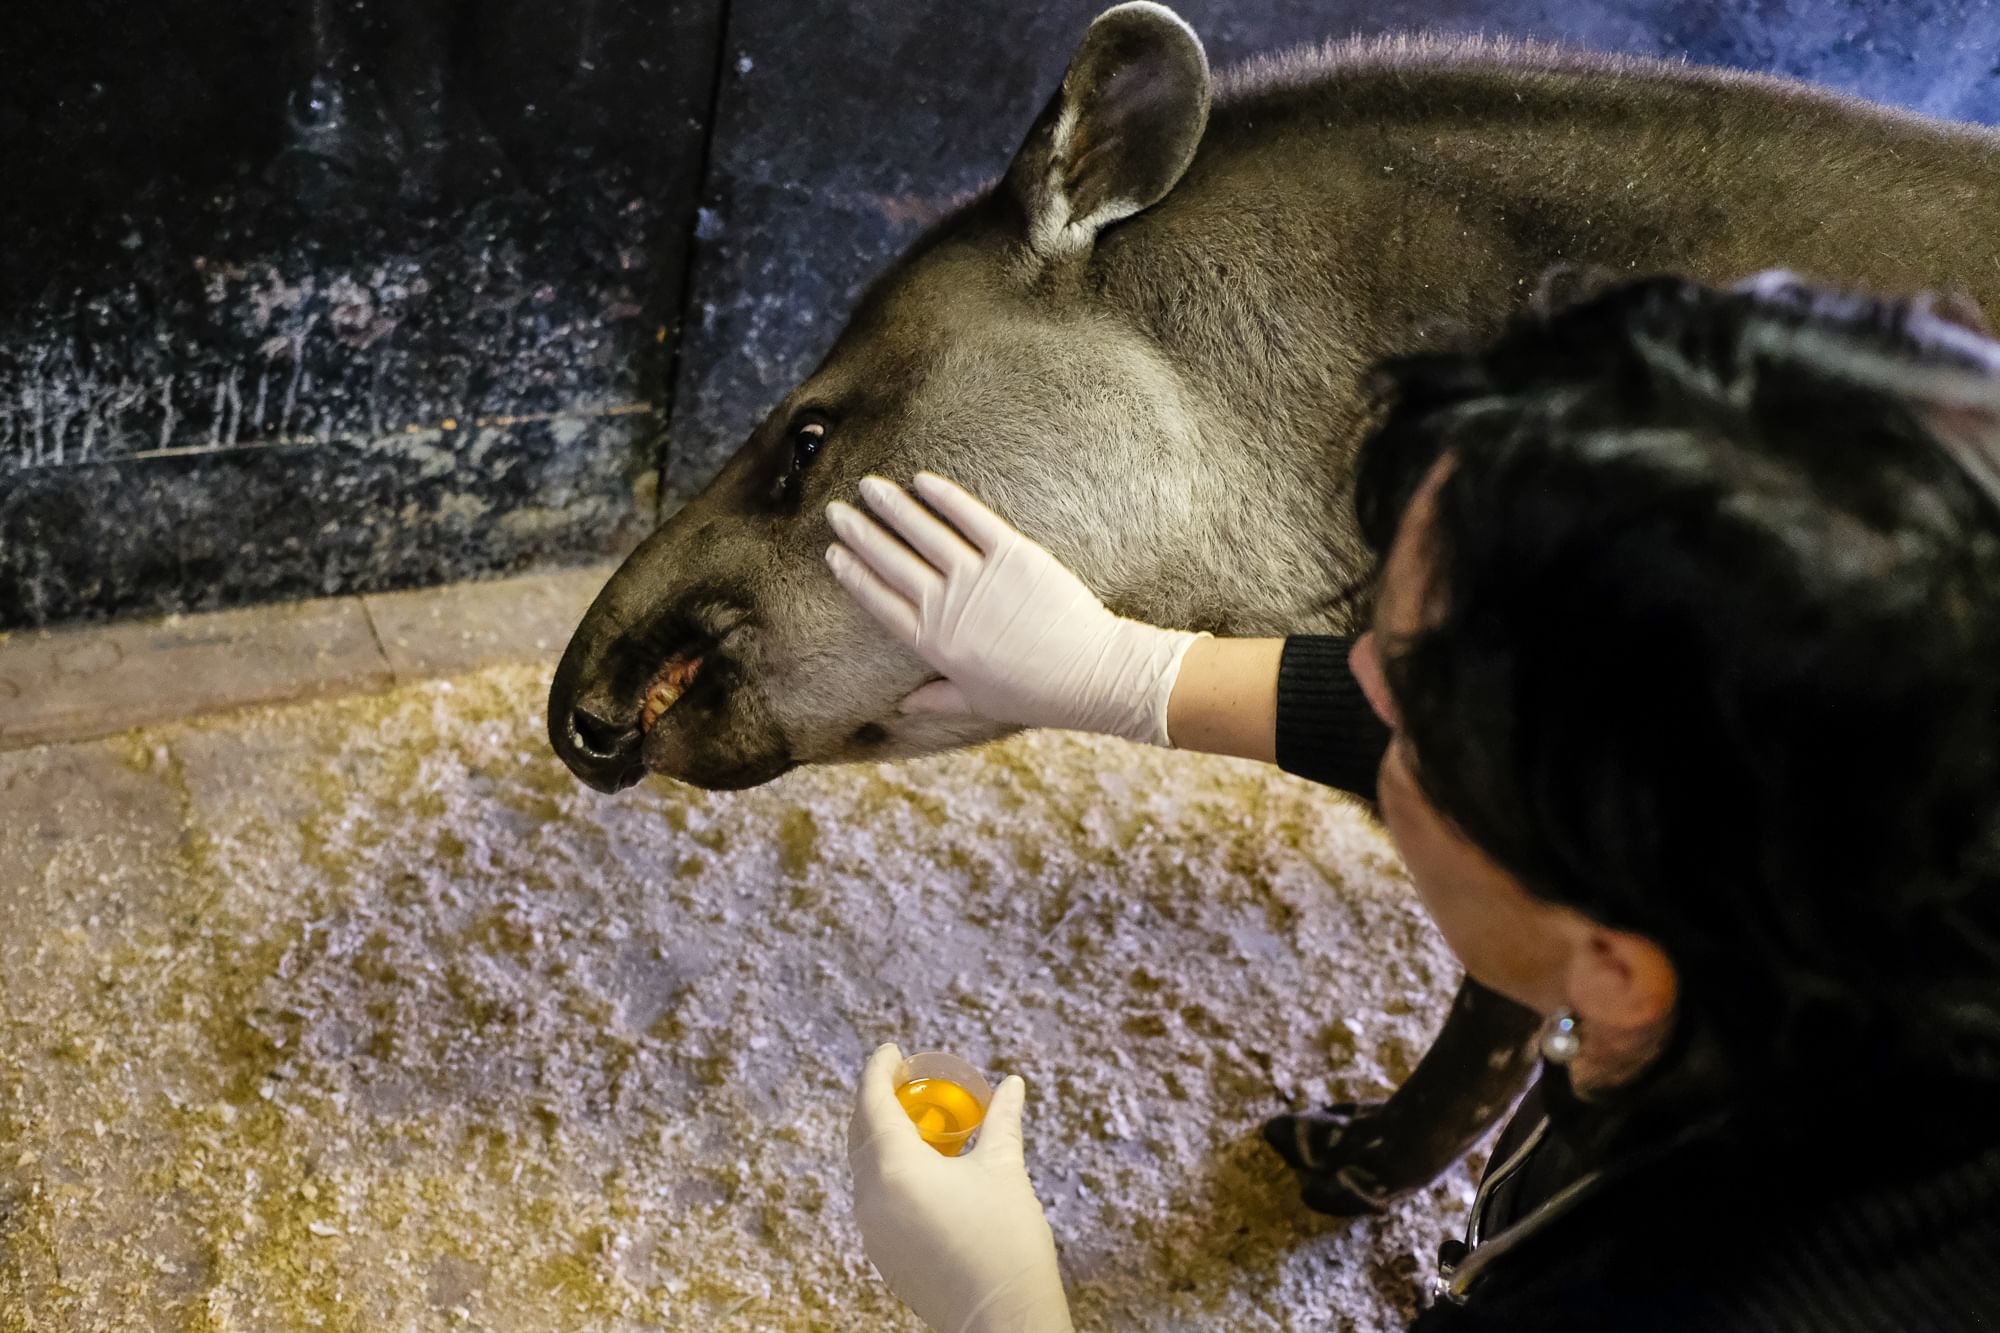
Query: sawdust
363, 1015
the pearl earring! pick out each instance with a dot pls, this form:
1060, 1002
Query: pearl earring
1560, 1038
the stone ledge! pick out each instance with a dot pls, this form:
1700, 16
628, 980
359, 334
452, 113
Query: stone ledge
77, 684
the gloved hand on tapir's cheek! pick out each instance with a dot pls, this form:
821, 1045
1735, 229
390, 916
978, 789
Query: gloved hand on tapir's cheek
1018, 637
962, 1240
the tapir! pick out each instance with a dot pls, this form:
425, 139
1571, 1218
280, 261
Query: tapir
1147, 346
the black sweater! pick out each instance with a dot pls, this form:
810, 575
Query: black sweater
1872, 1207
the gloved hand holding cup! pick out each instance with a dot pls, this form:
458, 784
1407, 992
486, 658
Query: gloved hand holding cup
961, 1237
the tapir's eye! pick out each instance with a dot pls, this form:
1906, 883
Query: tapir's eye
807, 440
807, 437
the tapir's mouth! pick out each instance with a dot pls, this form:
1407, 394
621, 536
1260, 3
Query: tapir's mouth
675, 692
668, 686
701, 658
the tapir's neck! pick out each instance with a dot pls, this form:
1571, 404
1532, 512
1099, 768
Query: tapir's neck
1269, 353
1382, 210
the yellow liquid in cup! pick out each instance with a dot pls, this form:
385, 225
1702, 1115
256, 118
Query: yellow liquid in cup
944, 1112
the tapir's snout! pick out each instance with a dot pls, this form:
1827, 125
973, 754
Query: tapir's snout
596, 703
659, 676
596, 736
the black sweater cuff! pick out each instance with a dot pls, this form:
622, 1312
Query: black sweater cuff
1327, 732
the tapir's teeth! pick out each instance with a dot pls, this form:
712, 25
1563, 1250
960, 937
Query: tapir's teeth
662, 697
667, 690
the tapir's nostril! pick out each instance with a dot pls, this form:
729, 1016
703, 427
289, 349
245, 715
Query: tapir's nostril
600, 737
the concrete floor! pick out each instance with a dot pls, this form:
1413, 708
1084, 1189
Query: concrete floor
358, 1013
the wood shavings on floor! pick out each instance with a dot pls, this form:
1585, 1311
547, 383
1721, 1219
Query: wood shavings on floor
364, 1015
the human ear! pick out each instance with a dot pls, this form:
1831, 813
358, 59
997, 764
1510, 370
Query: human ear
1364, 662
1622, 984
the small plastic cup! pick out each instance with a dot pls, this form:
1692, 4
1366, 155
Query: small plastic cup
945, 1096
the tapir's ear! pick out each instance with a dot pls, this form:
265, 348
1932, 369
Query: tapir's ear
1118, 133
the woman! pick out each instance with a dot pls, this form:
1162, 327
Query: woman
1686, 640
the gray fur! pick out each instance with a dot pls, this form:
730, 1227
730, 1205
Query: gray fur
1170, 402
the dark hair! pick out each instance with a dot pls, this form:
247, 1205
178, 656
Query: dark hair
1712, 651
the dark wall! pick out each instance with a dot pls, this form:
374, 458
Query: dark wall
334, 294
325, 295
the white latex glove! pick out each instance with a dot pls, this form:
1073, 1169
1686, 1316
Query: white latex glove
961, 1240
1018, 637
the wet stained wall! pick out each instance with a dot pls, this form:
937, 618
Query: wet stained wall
313, 296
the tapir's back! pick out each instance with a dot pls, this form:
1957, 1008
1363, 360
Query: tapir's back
1405, 182
1601, 153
